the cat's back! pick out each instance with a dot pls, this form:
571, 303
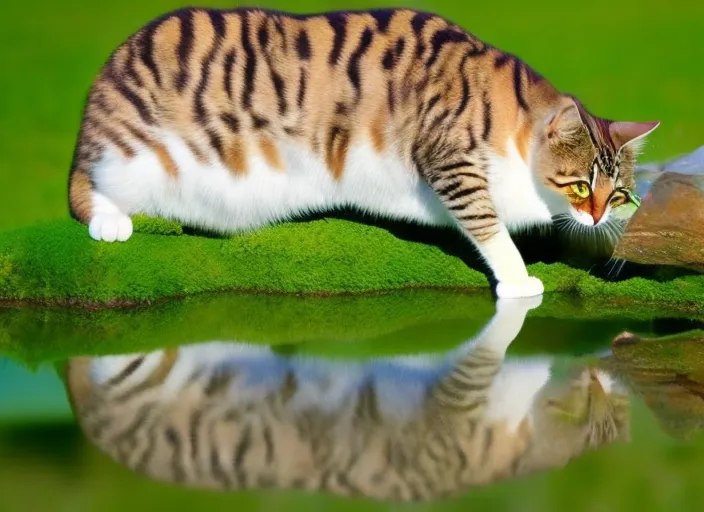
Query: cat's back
322, 79
274, 65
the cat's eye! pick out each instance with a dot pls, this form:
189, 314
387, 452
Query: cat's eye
618, 199
581, 190
622, 197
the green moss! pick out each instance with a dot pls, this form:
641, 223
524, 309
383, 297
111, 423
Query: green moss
58, 263
156, 226
5, 269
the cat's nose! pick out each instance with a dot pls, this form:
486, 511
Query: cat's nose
598, 213
600, 202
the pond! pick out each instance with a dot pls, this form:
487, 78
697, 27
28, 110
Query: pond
415, 400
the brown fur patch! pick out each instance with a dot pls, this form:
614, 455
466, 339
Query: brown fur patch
523, 140
270, 153
377, 134
337, 152
80, 200
165, 158
235, 157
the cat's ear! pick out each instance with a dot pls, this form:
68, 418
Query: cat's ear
563, 123
597, 128
626, 133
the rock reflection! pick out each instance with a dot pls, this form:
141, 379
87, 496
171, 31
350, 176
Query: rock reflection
232, 415
667, 374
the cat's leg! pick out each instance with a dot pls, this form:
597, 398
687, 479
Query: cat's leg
106, 222
496, 335
506, 324
464, 190
476, 364
502, 255
501, 329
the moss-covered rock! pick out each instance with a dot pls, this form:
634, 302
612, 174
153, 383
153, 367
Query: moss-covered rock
58, 263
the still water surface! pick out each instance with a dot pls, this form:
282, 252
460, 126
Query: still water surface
419, 401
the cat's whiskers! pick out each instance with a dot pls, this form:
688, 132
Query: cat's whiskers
616, 230
616, 266
602, 236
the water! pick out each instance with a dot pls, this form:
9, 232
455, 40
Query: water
413, 400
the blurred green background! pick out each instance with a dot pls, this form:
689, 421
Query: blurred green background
627, 59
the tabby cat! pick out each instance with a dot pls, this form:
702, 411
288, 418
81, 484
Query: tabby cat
230, 120
238, 416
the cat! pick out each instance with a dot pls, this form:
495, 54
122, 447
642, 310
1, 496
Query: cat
233, 415
231, 120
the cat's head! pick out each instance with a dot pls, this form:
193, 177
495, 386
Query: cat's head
584, 410
588, 165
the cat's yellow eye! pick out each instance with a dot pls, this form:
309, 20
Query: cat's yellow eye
581, 190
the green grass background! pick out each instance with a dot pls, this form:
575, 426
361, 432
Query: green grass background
627, 59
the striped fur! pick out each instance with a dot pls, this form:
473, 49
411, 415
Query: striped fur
237, 416
233, 120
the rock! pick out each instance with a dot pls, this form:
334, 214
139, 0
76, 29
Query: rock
645, 177
690, 163
668, 228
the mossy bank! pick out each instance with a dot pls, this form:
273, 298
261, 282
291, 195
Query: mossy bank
57, 263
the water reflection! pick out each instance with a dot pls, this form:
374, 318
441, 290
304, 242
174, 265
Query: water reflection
237, 415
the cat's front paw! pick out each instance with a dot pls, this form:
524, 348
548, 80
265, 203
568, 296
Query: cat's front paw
110, 227
529, 287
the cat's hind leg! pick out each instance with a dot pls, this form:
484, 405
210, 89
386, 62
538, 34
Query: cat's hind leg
105, 221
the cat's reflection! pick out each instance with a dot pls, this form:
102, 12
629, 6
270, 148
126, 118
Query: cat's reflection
234, 415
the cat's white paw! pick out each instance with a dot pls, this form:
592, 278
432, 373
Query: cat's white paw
529, 287
110, 227
519, 304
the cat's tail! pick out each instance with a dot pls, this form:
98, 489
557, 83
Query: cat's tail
81, 186
80, 195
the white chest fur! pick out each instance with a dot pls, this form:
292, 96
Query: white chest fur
520, 200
